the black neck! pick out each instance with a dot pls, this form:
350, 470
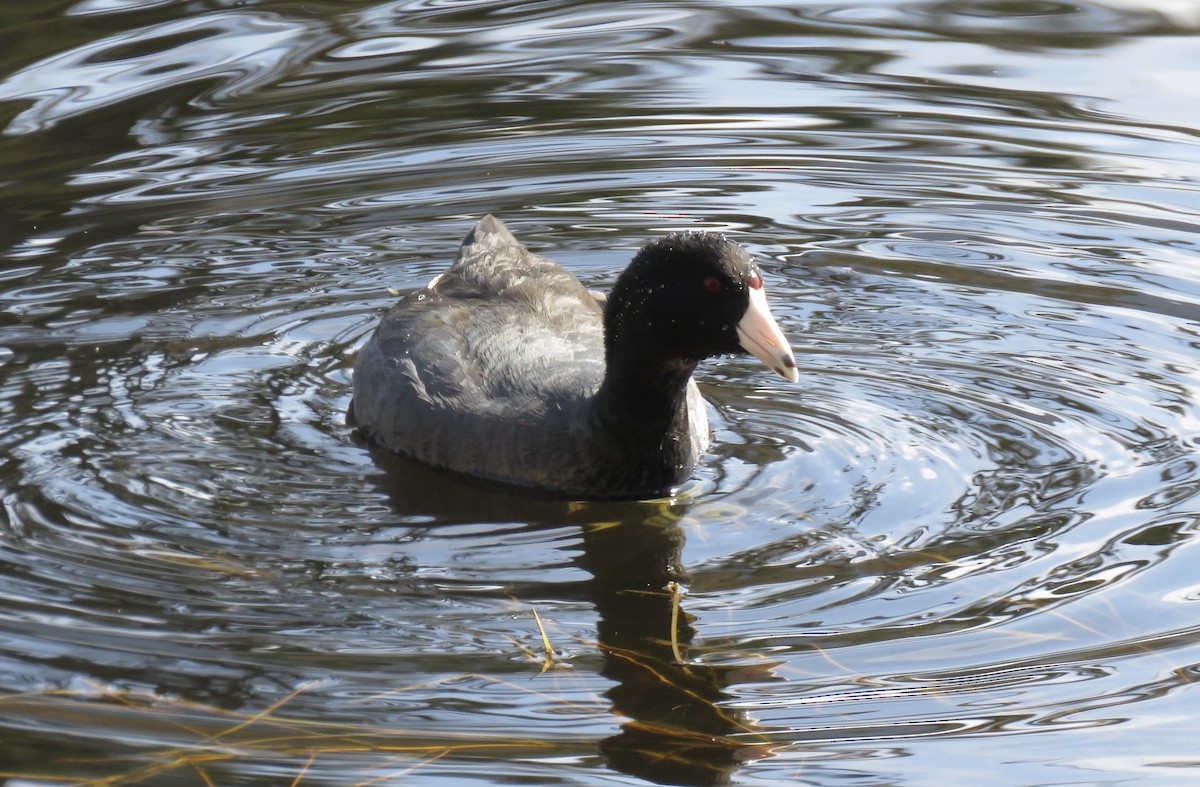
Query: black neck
642, 405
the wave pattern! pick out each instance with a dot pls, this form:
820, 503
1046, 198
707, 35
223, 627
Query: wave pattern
966, 536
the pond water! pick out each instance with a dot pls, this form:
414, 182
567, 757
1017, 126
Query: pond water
963, 547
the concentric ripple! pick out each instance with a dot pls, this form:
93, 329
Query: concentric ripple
965, 538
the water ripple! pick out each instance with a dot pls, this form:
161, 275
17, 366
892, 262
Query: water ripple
973, 519
238, 49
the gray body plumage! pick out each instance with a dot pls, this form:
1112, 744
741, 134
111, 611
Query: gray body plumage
493, 371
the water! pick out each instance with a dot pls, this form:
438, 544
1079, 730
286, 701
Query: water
963, 547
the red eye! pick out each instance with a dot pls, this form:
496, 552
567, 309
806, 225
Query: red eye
713, 285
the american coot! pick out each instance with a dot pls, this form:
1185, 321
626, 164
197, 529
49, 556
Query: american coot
507, 369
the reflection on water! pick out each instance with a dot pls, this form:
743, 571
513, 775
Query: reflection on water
962, 544
677, 730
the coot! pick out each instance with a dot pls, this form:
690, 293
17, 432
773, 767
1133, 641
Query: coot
506, 368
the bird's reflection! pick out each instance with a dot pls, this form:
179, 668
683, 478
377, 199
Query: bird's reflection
677, 731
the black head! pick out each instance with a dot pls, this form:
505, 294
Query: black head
683, 295
681, 298
690, 296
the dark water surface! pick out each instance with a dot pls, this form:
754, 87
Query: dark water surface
962, 550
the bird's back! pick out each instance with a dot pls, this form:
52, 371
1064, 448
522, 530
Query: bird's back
489, 370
